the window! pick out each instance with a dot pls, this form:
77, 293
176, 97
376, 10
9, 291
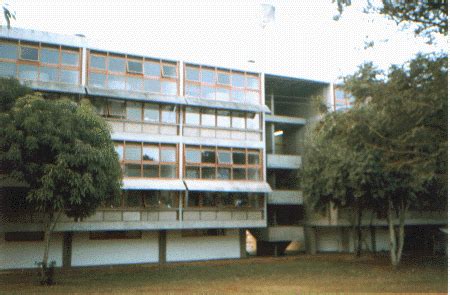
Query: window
223, 78
169, 114
24, 236
192, 74
116, 109
134, 110
151, 112
152, 69
253, 121
69, 58
208, 118
8, 51
238, 80
50, 56
238, 120
149, 160
223, 119
115, 235
29, 53
222, 163
252, 82
134, 67
169, 71
208, 76
192, 116
116, 65
98, 62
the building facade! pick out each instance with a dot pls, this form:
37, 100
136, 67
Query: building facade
209, 156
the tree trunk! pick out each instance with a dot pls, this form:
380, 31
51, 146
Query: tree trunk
359, 231
397, 235
46, 270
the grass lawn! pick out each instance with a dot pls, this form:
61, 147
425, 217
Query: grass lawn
285, 275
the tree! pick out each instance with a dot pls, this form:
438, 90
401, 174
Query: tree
62, 151
430, 16
389, 153
8, 13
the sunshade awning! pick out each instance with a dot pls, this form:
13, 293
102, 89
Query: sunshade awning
228, 186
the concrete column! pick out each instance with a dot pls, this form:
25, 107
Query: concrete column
243, 242
83, 66
67, 249
310, 240
162, 246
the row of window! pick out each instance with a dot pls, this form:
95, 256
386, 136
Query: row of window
48, 63
136, 199
160, 161
40, 62
154, 113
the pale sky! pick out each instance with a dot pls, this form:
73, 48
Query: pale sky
304, 41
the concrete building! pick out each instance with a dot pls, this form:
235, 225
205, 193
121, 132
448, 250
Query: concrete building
210, 157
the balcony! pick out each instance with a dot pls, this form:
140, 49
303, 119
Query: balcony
285, 197
275, 161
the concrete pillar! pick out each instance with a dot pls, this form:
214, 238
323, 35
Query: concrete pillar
243, 243
67, 250
162, 246
310, 240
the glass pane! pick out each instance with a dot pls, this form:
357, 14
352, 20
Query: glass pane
8, 51
168, 171
208, 118
252, 82
238, 173
253, 121
151, 113
169, 114
238, 80
116, 82
238, 95
194, 199
192, 116
98, 62
134, 67
50, 56
150, 153
252, 97
192, 172
7, 69
193, 156
222, 94
168, 155
48, 74
208, 76
169, 88
28, 72
69, 77
152, 86
241, 200
116, 65
225, 158
150, 198
224, 173
253, 159
151, 171
208, 173
223, 78
133, 153
192, 90
133, 199
135, 84
29, 53
134, 111
208, 157
97, 80
132, 170
209, 200
69, 58
239, 158
238, 120
119, 151
223, 119
169, 71
253, 174
168, 200
192, 74
152, 69
116, 109
208, 92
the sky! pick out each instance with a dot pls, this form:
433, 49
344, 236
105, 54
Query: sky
303, 40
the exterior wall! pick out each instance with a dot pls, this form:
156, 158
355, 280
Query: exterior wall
202, 248
25, 254
87, 252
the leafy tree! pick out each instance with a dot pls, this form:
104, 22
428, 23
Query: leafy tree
389, 153
430, 16
8, 13
62, 151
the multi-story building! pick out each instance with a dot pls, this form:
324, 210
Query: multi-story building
209, 155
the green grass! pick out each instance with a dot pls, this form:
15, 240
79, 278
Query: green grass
286, 275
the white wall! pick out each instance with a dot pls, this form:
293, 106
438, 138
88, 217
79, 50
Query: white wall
121, 251
202, 248
25, 254
328, 239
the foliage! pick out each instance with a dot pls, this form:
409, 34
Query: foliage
389, 152
61, 150
430, 16
9, 14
